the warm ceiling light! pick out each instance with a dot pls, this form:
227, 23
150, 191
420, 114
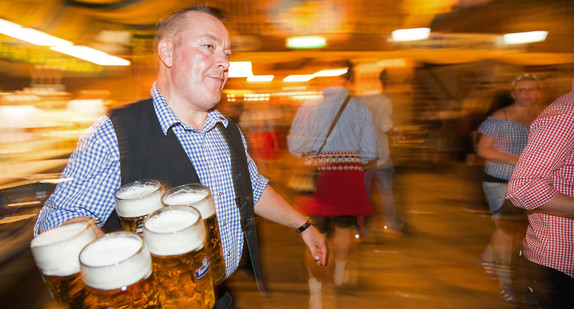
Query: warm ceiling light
413, 34
91, 55
303, 42
525, 37
298, 78
260, 78
332, 72
240, 69
31, 35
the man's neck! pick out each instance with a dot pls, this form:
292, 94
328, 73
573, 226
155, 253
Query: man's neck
182, 110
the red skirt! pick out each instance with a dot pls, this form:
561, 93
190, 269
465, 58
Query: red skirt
340, 190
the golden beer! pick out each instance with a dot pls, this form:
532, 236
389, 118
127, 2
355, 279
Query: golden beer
135, 200
199, 197
117, 271
215, 252
175, 236
56, 254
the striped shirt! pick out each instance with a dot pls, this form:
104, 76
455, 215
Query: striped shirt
546, 168
93, 176
354, 131
509, 138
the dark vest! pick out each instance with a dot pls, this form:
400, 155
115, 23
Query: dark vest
146, 153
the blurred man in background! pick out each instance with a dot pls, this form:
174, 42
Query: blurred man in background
380, 172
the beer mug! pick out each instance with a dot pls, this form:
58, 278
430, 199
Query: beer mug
135, 200
199, 197
175, 236
56, 253
117, 271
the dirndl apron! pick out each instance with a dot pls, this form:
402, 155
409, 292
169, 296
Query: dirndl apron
340, 189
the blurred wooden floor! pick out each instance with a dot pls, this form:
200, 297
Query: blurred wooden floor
431, 266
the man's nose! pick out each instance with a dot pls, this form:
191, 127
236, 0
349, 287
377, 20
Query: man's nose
223, 63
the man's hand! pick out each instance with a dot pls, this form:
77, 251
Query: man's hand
97, 230
315, 241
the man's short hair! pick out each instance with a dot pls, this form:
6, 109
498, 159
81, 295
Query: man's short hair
173, 24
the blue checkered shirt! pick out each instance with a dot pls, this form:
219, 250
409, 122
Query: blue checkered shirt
93, 175
509, 138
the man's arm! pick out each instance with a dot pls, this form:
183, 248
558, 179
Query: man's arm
541, 179
89, 180
273, 207
560, 206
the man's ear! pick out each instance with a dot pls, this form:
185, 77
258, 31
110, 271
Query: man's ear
165, 51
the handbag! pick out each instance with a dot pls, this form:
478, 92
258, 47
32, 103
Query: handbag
303, 180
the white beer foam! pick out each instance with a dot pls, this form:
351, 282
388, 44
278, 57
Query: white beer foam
56, 251
197, 199
130, 205
136, 190
161, 237
104, 256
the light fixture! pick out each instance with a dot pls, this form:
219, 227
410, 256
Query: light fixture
304, 42
331, 72
240, 69
413, 34
525, 37
298, 78
31, 35
91, 55
60, 45
260, 78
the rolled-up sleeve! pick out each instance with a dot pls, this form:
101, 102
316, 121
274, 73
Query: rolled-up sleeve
88, 182
546, 163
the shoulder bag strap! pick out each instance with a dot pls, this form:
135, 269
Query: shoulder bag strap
335, 122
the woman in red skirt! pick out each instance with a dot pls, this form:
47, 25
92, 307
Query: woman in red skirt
339, 154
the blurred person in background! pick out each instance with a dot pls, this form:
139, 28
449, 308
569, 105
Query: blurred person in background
380, 172
503, 135
543, 184
340, 195
180, 135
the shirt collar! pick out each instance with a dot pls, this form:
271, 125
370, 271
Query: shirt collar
335, 91
167, 118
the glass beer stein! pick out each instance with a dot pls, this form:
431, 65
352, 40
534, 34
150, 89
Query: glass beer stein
199, 197
135, 200
56, 253
117, 271
175, 236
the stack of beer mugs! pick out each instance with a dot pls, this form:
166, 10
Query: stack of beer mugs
162, 259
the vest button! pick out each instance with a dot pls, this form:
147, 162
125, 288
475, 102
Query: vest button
220, 194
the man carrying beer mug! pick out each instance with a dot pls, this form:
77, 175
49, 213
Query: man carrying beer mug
194, 47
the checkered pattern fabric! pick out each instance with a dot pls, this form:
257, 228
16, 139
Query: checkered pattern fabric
93, 175
546, 168
509, 138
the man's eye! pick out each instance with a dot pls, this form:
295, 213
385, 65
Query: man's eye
208, 46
